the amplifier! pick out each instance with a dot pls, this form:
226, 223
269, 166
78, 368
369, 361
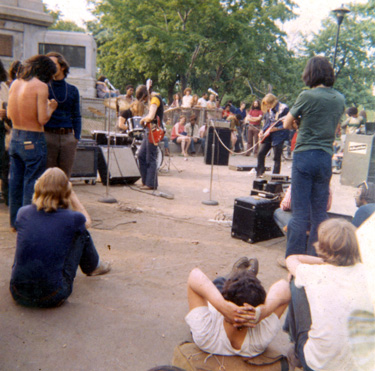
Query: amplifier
276, 178
274, 187
253, 219
221, 154
220, 124
85, 166
259, 184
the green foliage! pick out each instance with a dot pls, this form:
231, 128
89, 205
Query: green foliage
59, 24
234, 47
355, 61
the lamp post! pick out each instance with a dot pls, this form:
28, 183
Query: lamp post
340, 14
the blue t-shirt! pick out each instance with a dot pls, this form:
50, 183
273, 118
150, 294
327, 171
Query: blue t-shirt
363, 213
43, 242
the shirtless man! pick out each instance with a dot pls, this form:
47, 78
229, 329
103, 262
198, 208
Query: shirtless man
29, 109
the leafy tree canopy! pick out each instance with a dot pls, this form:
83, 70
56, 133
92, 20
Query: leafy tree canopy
59, 24
355, 61
231, 46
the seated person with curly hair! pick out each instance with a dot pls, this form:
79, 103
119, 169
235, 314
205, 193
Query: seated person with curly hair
240, 320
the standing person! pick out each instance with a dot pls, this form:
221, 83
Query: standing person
192, 130
63, 130
202, 101
29, 109
176, 100
187, 98
254, 118
179, 135
45, 264
4, 90
273, 134
148, 153
211, 104
320, 109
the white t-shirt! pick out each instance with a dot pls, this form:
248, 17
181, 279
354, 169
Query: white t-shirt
186, 101
333, 294
207, 327
202, 102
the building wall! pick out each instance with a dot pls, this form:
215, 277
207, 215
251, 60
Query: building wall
27, 24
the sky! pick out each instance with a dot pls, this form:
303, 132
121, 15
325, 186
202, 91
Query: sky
311, 12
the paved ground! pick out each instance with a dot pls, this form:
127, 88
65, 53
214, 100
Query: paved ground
132, 318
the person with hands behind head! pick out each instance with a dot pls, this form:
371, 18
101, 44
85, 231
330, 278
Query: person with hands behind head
234, 316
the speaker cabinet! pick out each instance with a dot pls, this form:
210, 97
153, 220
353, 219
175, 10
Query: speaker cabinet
253, 219
221, 154
359, 160
86, 161
123, 168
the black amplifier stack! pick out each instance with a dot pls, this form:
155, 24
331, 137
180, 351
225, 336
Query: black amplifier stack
253, 215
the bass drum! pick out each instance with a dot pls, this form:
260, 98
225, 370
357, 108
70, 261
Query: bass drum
160, 156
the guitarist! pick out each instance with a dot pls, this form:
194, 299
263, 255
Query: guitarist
148, 153
273, 134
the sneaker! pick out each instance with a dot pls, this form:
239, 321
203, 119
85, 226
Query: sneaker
103, 268
253, 266
241, 263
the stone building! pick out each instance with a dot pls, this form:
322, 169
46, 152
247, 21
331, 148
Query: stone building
24, 33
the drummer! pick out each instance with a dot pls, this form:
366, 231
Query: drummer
137, 108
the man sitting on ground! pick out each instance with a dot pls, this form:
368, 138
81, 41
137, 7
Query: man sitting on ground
240, 320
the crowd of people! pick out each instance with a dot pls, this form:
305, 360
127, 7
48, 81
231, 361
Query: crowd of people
232, 315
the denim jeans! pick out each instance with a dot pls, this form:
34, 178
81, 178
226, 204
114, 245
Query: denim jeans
282, 218
192, 144
311, 174
298, 322
28, 158
277, 151
46, 295
147, 158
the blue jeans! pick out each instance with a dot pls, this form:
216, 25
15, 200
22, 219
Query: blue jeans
192, 144
28, 159
298, 322
147, 158
46, 295
311, 174
282, 218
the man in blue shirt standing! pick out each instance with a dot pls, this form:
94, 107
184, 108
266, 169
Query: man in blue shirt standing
63, 130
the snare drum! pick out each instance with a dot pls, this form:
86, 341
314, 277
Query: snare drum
134, 125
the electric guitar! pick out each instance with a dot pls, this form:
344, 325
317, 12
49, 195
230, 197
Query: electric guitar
155, 132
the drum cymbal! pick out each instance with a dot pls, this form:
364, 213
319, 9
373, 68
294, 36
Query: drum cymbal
111, 103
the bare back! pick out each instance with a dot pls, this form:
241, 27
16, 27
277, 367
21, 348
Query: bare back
28, 105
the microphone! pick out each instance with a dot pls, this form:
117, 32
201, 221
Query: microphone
212, 91
110, 85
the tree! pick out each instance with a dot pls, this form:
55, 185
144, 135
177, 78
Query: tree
59, 24
355, 56
226, 45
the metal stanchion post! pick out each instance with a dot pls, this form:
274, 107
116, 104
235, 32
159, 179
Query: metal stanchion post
210, 201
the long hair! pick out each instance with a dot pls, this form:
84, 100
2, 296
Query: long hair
259, 105
141, 93
137, 108
269, 99
3, 73
337, 243
318, 71
52, 191
61, 61
39, 66
15, 69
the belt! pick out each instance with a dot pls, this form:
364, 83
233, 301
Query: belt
59, 130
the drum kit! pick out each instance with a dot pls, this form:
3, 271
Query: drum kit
132, 137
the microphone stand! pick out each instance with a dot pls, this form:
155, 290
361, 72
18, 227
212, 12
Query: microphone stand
211, 202
107, 198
